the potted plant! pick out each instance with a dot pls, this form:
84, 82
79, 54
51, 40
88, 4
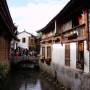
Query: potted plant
48, 61
42, 60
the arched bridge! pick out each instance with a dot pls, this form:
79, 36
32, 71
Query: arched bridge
24, 61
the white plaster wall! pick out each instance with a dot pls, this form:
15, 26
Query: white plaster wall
73, 55
23, 35
86, 58
58, 54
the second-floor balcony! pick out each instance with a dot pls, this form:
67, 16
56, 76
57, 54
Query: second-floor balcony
48, 35
76, 33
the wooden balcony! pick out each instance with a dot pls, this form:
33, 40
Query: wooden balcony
75, 34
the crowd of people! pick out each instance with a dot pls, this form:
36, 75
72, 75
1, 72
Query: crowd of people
22, 52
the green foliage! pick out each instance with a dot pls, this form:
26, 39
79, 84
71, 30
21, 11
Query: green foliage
33, 48
3, 75
40, 34
3, 71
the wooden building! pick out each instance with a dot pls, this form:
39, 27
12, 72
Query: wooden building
7, 31
65, 45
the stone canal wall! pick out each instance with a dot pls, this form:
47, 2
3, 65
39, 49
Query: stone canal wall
70, 78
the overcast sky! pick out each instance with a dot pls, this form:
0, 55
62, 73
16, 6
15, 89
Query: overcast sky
33, 15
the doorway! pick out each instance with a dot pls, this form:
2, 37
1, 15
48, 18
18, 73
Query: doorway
80, 54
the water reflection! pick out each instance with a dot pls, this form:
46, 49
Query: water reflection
28, 80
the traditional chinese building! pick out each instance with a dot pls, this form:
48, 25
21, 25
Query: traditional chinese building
7, 32
26, 40
65, 45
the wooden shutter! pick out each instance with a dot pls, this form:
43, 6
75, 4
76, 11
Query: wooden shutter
67, 54
48, 52
43, 52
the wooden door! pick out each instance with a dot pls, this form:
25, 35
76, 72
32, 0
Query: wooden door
80, 53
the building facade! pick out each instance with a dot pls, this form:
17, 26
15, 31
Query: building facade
65, 45
7, 32
26, 40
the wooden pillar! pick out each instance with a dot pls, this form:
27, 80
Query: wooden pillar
86, 27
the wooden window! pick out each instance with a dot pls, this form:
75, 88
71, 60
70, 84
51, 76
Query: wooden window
67, 26
48, 52
67, 54
59, 29
23, 40
43, 52
81, 32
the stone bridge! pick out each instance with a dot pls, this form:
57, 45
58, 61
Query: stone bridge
24, 61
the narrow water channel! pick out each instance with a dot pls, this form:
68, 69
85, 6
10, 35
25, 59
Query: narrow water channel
28, 80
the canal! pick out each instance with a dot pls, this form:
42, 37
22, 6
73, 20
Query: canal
30, 80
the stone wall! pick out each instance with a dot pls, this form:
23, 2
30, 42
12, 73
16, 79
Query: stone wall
70, 78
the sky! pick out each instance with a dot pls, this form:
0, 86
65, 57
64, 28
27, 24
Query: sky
33, 15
